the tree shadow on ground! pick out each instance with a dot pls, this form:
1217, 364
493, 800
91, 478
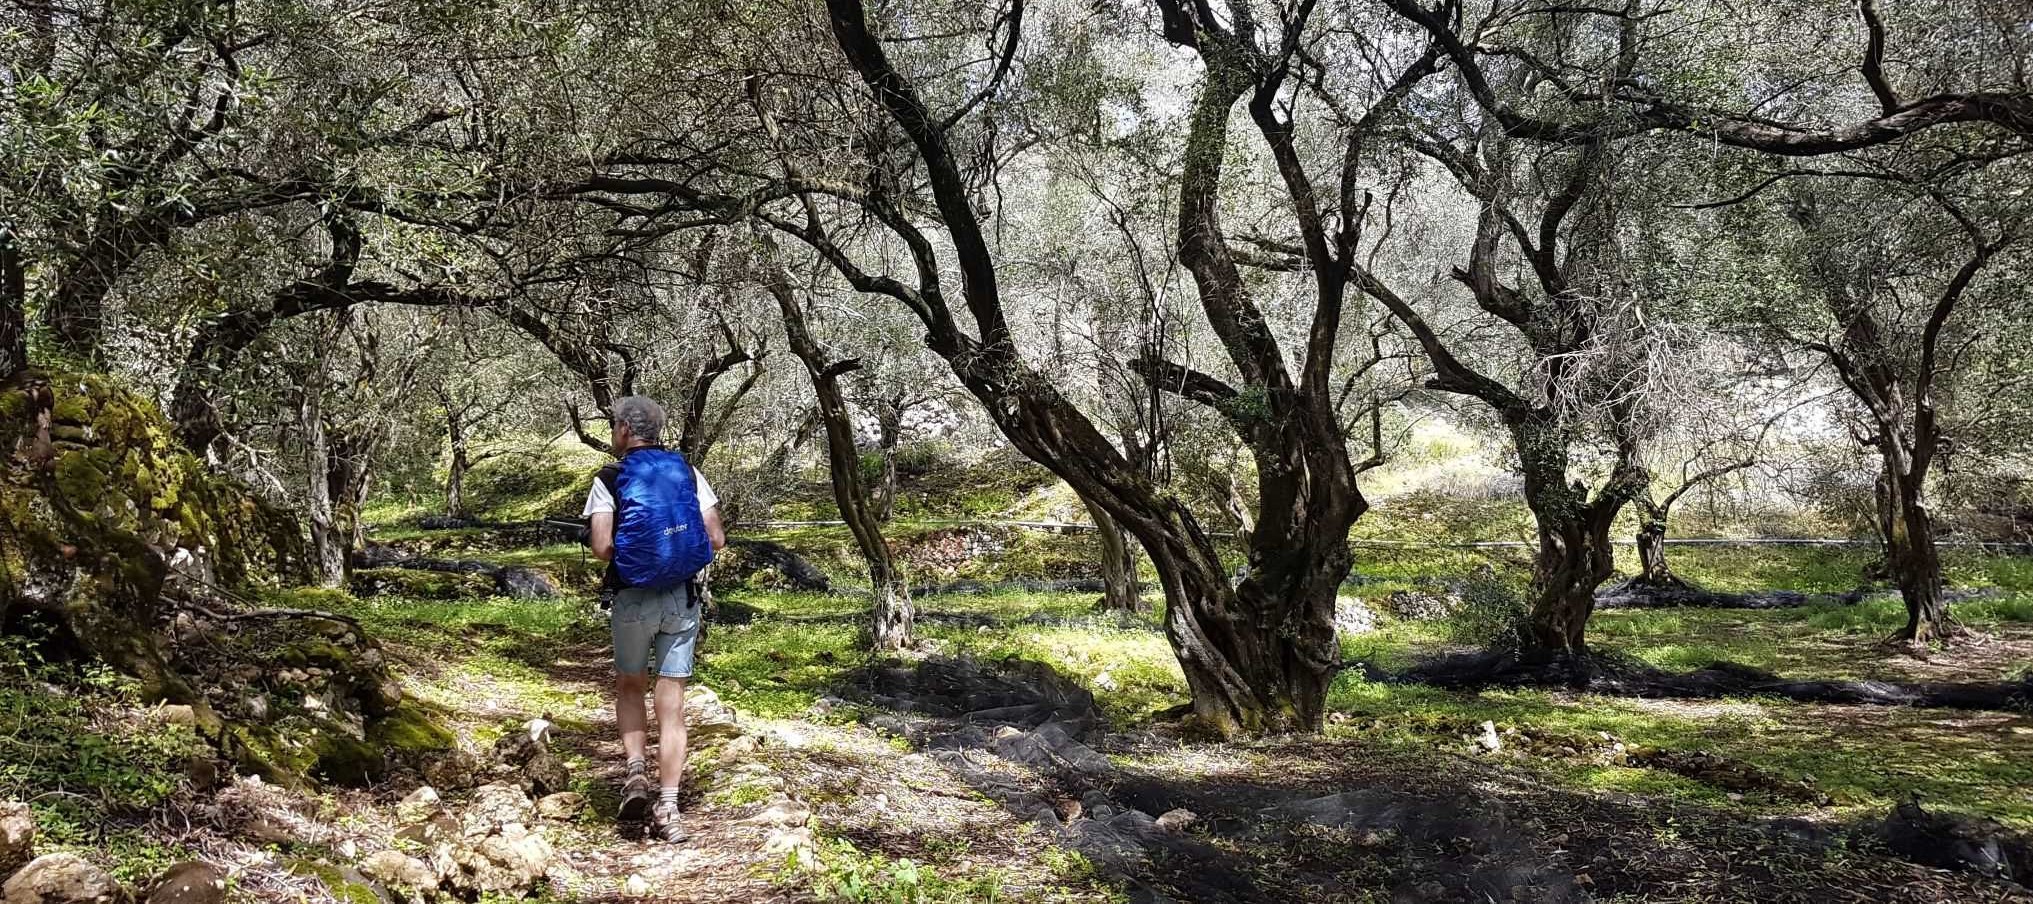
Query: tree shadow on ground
1327, 820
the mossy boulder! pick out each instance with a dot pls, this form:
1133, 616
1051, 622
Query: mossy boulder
412, 733
102, 511
100, 507
423, 585
345, 884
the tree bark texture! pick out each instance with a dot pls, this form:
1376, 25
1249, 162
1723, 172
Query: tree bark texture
1575, 554
1652, 567
13, 306
328, 542
889, 420
1121, 591
1910, 553
455, 472
891, 617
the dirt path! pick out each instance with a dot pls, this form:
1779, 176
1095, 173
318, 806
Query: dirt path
605, 860
860, 786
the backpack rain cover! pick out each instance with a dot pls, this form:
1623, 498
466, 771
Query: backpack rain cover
660, 538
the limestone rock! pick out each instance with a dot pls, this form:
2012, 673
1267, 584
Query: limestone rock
418, 805
453, 771
1352, 616
788, 813
190, 882
562, 805
395, 868
17, 836
61, 879
510, 861
786, 843
496, 806
1487, 739
176, 714
546, 774
635, 886
1416, 605
706, 718
739, 748
516, 747
436, 827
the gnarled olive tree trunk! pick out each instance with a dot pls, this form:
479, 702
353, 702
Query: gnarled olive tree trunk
13, 305
1910, 553
1652, 567
1575, 555
1120, 591
891, 616
1257, 656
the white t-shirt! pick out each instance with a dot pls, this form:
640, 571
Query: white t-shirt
601, 501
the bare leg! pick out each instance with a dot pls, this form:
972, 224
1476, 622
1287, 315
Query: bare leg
628, 711
670, 719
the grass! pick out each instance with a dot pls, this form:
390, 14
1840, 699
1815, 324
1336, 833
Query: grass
1863, 758
511, 644
803, 646
848, 875
78, 745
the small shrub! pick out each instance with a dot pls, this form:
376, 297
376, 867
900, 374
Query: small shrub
77, 742
1492, 614
847, 875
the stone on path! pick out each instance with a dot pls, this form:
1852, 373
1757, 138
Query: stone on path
61, 879
436, 827
564, 805
190, 882
783, 844
738, 749
418, 805
512, 860
454, 771
496, 806
706, 718
546, 773
397, 869
788, 813
1488, 739
17, 836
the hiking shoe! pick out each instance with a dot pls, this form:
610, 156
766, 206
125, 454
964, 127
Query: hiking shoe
636, 795
667, 822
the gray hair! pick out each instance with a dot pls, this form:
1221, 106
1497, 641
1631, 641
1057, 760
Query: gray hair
644, 417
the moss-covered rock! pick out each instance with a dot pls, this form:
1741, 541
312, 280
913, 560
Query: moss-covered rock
345, 883
101, 509
412, 734
100, 506
418, 584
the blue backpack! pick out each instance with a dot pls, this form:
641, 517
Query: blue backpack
660, 538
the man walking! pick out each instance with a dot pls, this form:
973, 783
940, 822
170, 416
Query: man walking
656, 522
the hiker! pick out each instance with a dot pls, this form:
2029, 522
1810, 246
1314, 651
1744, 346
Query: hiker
655, 521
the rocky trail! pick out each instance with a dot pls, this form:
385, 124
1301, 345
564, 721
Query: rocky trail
1006, 776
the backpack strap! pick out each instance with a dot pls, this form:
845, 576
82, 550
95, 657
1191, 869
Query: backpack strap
609, 475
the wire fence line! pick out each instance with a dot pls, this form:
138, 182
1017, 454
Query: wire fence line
1075, 527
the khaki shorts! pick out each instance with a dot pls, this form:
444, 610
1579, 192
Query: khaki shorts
655, 627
